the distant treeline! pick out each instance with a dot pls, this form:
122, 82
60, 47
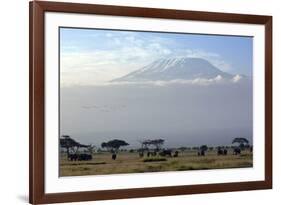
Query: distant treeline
150, 147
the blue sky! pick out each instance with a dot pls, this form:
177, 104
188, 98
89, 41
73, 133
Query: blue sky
102, 55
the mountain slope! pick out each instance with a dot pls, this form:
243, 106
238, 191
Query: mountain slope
175, 68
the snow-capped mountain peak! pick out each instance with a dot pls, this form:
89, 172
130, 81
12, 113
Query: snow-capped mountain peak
176, 68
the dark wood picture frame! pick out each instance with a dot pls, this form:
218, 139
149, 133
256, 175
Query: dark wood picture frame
37, 194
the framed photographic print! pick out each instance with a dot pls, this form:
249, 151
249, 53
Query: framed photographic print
138, 102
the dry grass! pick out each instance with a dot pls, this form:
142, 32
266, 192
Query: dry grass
131, 163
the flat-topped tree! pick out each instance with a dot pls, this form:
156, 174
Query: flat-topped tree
144, 145
113, 146
70, 144
243, 142
158, 143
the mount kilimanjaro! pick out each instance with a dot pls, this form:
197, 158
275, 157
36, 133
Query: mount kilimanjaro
176, 68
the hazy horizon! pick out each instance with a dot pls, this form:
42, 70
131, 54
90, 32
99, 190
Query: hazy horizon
183, 115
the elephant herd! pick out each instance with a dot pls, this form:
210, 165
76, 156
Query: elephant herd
221, 151
80, 157
162, 153
201, 152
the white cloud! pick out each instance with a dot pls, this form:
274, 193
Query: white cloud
105, 65
198, 82
236, 78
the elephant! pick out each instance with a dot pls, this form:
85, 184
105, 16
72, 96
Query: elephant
72, 157
220, 151
166, 153
201, 153
114, 156
84, 157
225, 152
237, 151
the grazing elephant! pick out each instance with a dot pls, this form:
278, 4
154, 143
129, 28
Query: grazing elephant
148, 154
237, 151
225, 152
220, 151
202, 153
114, 156
251, 149
72, 157
166, 153
84, 157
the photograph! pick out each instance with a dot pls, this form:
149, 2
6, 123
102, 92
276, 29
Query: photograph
131, 102
142, 101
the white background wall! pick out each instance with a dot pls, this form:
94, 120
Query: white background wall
14, 100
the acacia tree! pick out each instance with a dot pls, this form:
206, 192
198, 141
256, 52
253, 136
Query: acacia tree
66, 142
241, 141
157, 144
70, 144
114, 145
144, 145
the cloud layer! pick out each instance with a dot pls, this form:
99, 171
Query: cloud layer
198, 81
